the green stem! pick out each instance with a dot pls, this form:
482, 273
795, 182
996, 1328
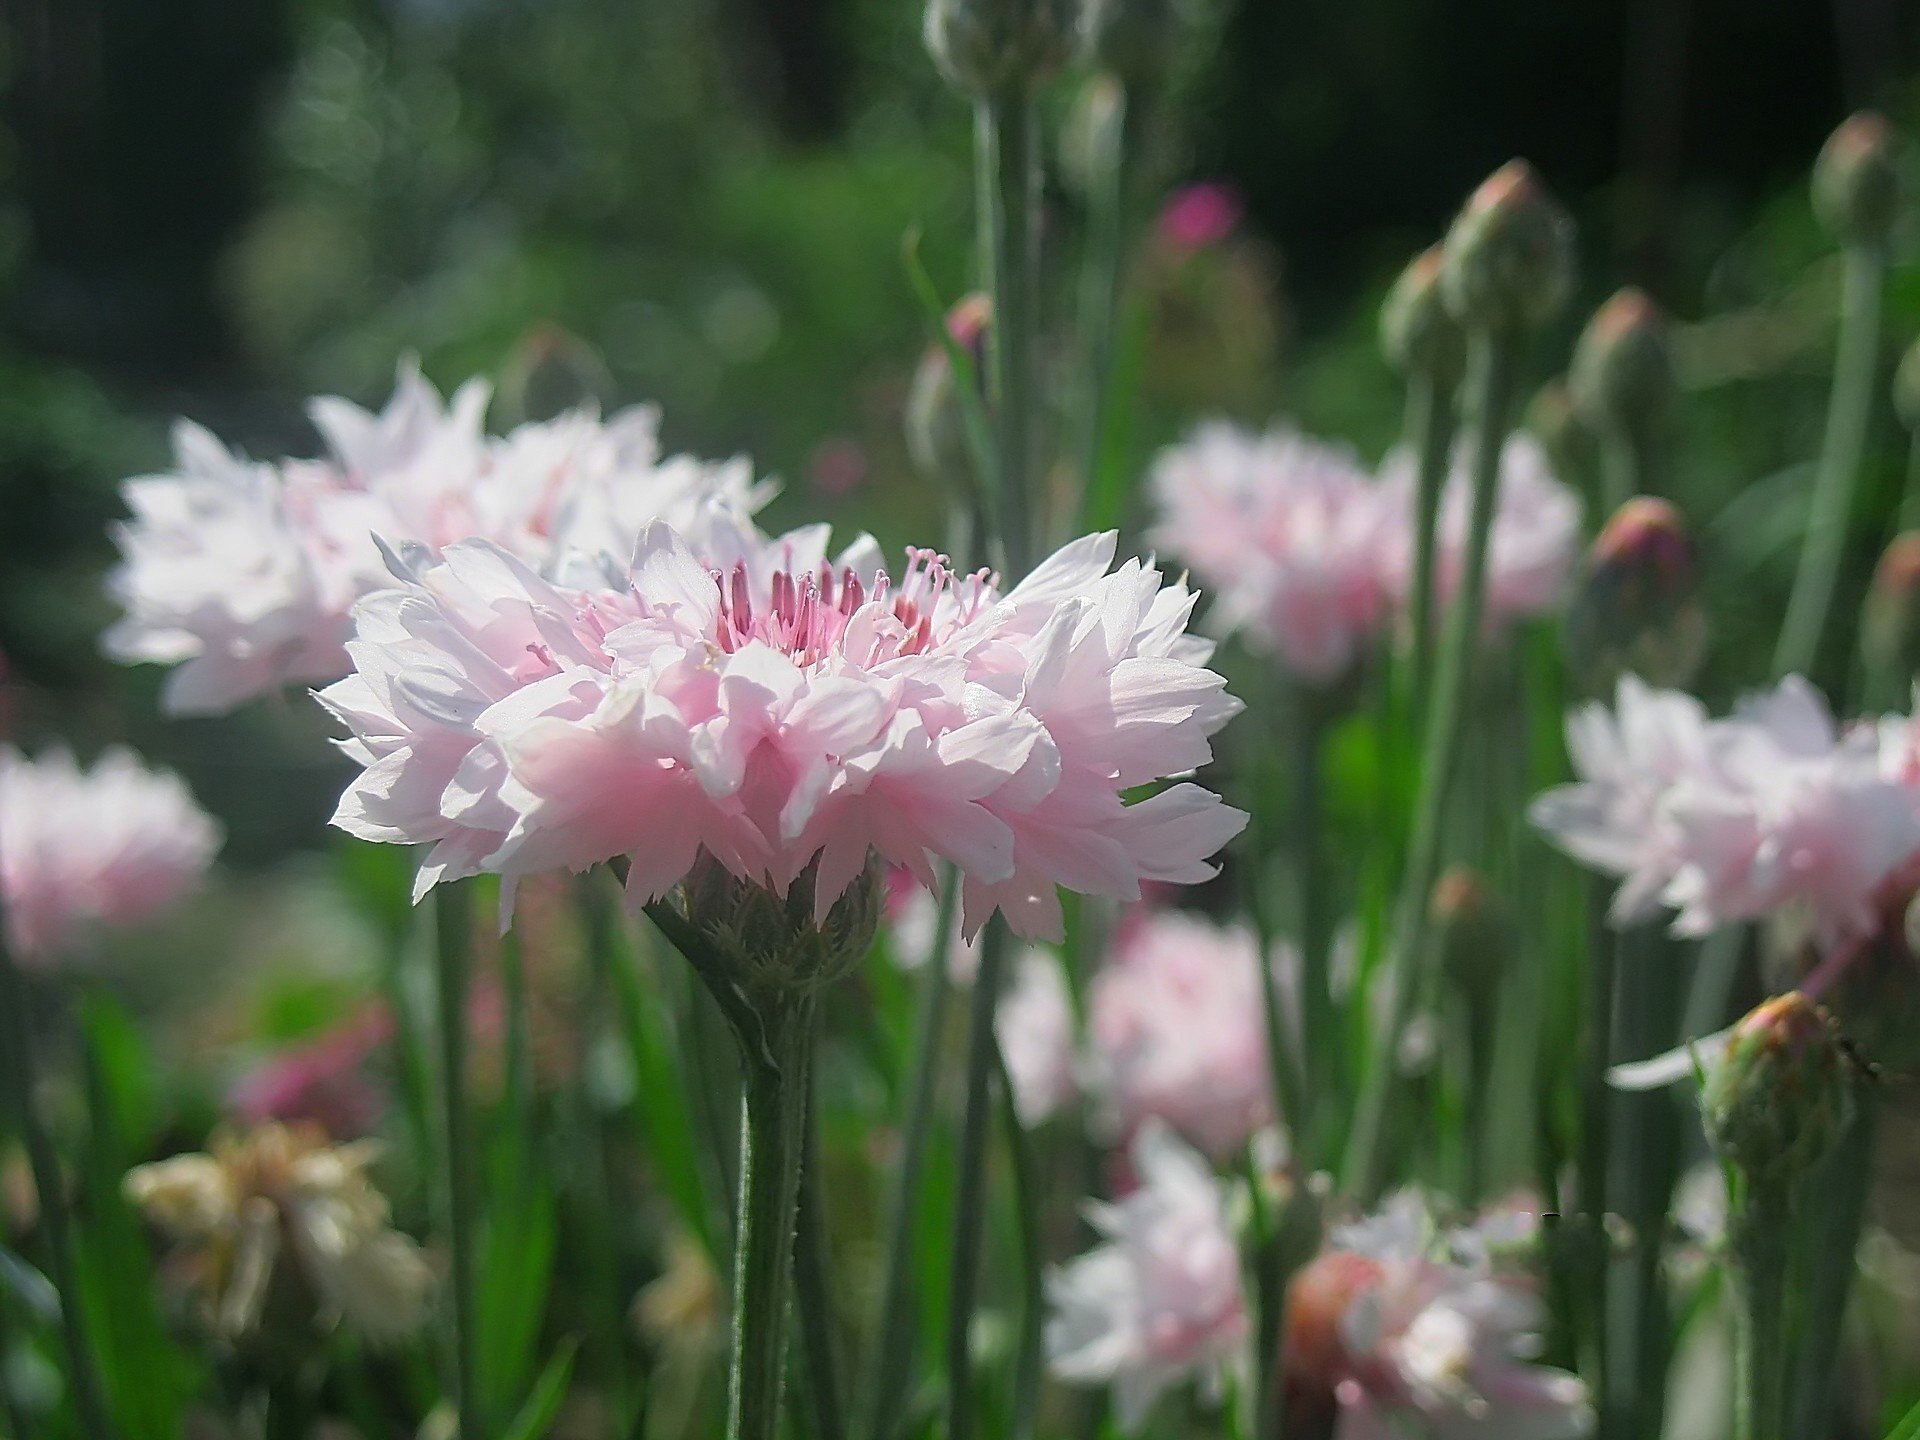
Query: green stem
1762, 1222
1849, 408
775, 1057
893, 1340
1596, 1141
1430, 429
453, 927
1490, 384
970, 1199
1317, 1029
1910, 500
1269, 1305
1839, 1214
813, 1294
1006, 150
1100, 283
1026, 1195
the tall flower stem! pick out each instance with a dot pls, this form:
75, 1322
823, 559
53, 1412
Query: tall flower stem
893, 1338
813, 1292
1430, 429
1761, 1222
1596, 1142
1491, 361
1006, 150
89, 1395
1100, 280
1317, 1027
453, 941
1839, 1205
775, 1056
970, 1199
1849, 407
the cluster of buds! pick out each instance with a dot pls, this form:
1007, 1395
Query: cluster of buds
1508, 260
1857, 181
1637, 610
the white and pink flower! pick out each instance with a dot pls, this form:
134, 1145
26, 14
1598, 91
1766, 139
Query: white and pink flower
1159, 1301
241, 574
753, 698
110, 846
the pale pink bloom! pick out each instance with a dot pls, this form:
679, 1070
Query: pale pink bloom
1629, 760
109, 846
1200, 216
775, 707
1034, 1024
1531, 549
1392, 1333
913, 915
241, 574
1288, 532
1159, 1301
1177, 1030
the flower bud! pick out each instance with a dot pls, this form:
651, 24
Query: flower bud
989, 47
1906, 388
1636, 610
1856, 180
1418, 335
1563, 432
1890, 622
1474, 932
1779, 1097
1508, 258
1622, 375
774, 943
1132, 40
936, 427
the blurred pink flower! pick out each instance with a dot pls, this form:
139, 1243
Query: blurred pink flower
241, 573
1530, 551
1177, 1031
912, 914
1199, 216
1034, 1023
112, 845
1289, 532
1160, 1300
755, 699
1766, 812
324, 1080
1390, 1332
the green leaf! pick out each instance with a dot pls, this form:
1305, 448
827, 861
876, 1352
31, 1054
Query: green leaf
1908, 1428
537, 1415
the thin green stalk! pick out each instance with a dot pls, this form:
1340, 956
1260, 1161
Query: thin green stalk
1622, 469
1430, 430
89, 1394
453, 935
813, 1294
893, 1338
970, 1199
775, 1056
1910, 499
1490, 385
1007, 154
1849, 408
1596, 1141
1839, 1206
1026, 1197
1763, 1220
1317, 1030
1100, 283
18, 1424
1268, 1416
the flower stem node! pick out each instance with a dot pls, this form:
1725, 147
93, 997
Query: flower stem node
1508, 258
1622, 375
1780, 1095
995, 47
1857, 181
1636, 610
1417, 333
770, 944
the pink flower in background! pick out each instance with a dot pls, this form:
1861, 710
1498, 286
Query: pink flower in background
1530, 551
1034, 1023
913, 913
1768, 811
775, 707
1177, 1031
1392, 1332
1199, 216
113, 845
1288, 532
324, 1081
1160, 1300
241, 574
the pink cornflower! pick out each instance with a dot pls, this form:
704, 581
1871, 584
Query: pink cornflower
1160, 1300
110, 846
779, 710
1288, 531
241, 574
1394, 1331
1200, 216
1531, 549
1177, 1032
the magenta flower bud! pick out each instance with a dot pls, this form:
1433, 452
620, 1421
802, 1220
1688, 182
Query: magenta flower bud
990, 47
1622, 376
1417, 333
1778, 1098
1636, 610
1857, 181
936, 430
1509, 255
1890, 622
